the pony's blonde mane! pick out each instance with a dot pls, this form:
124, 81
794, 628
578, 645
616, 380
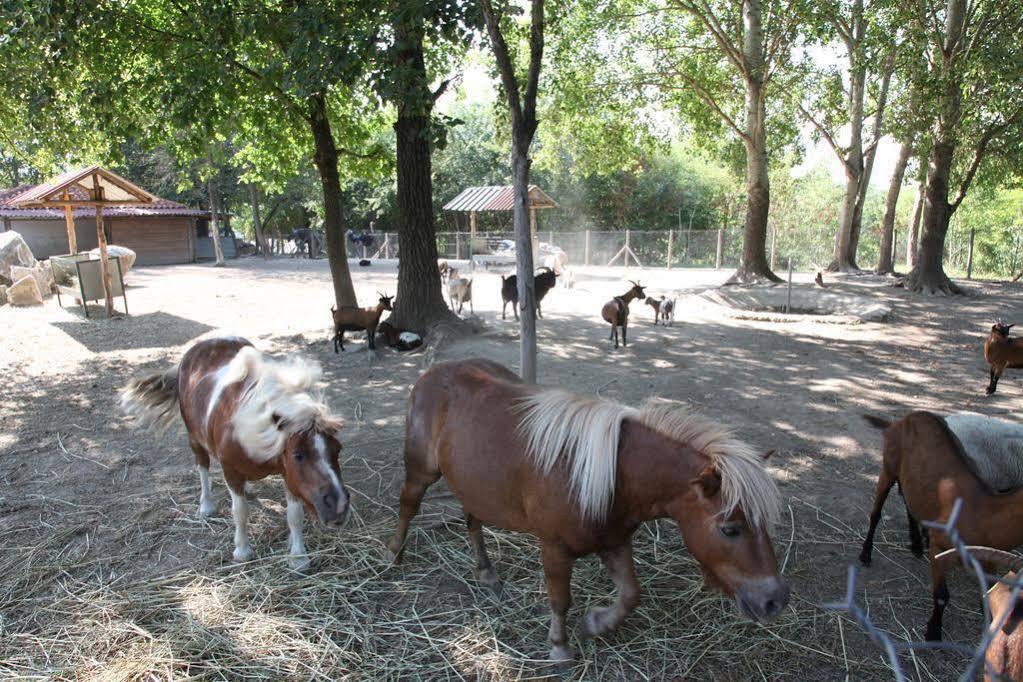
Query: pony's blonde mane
280, 399
583, 434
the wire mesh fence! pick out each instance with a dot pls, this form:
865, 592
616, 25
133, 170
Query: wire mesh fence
977, 653
645, 248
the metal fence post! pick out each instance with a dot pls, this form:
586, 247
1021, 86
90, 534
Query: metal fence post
721, 248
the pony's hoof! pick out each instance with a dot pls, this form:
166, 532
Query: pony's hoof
488, 578
207, 510
562, 654
596, 622
242, 554
299, 562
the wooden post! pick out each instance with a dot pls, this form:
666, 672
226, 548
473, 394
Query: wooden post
532, 232
671, 234
72, 238
458, 245
101, 238
550, 237
721, 248
628, 247
586, 249
774, 238
969, 257
788, 296
472, 224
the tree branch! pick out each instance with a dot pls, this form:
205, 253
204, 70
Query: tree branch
504, 63
839, 151
978, 155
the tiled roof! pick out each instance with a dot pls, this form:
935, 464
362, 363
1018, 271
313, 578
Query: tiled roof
159, 207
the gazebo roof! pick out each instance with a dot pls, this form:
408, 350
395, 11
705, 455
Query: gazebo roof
80, 188
496, 198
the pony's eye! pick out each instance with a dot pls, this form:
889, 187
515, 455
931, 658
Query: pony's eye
730, 531
299, 456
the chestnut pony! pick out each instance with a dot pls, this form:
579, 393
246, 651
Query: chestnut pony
936, 460
258, 417
581, 474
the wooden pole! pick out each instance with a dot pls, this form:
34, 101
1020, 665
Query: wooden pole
671, 234
458, 245
586, 249
788, 296
969, 257
628, 247
72, 239
101, 238
532, 232
721, 247
472, 224
550, 237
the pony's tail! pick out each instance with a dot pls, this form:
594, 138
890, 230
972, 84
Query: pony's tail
877, 422
152, 400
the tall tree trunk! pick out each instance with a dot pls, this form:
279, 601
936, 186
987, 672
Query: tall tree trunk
845, 238
257, 224
929, 274
754, 266
885, 259
419, 303
913, 236
524, 254
215, 212
333, 219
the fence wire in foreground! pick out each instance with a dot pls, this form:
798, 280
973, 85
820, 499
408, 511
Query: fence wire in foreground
976, 653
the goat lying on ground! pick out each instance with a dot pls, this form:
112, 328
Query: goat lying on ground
459, 291
396, 338
1000, 351
351, 319
1004, 657
543, 282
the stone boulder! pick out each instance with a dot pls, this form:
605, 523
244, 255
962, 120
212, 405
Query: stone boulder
3, 294
13, 251
126, 255
40, 271
25, 292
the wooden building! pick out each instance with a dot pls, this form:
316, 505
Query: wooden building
161, 232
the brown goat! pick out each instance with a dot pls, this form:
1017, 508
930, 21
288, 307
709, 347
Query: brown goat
1004, 657
351, 319
924, 456
1001, 351
616, 311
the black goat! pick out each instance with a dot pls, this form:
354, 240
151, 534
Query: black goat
543, 282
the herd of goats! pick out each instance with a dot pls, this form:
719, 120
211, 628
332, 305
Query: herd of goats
269, 424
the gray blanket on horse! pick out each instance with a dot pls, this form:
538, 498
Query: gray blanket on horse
993, 448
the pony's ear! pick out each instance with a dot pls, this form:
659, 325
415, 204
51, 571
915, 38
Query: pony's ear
709, 481
279, 421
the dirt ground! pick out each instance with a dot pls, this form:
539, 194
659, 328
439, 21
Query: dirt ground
106, 572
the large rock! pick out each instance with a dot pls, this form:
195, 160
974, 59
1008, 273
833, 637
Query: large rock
41, 272
3, 294
126, 255
13, 251
25, 292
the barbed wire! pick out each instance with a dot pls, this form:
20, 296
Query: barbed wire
977, 653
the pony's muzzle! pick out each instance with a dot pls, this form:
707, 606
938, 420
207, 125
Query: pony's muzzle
763, 600
332, 506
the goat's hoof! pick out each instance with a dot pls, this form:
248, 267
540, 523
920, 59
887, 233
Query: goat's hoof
933, 633
299, 562
488, 577
598, 621
562, 654
242, 554
865, 559
394, 553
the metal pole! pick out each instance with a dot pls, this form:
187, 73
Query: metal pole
788, 297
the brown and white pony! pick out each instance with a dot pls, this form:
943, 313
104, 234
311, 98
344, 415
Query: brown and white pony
581, 474
257, 417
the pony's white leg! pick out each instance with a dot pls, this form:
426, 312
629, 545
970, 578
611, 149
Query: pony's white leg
297, 558
207, 507
240, 510
620, 566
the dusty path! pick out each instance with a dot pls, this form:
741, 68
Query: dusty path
105, 568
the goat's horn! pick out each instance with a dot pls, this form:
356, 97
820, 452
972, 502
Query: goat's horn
1011, 562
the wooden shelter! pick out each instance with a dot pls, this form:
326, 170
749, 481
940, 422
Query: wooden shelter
472, 200
93, 187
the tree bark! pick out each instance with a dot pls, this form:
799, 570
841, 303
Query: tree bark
885, 259
928, 276
913, 236
215, 211
419, 303
326, 157
524, 123
257, 224
754, 266
845, 237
